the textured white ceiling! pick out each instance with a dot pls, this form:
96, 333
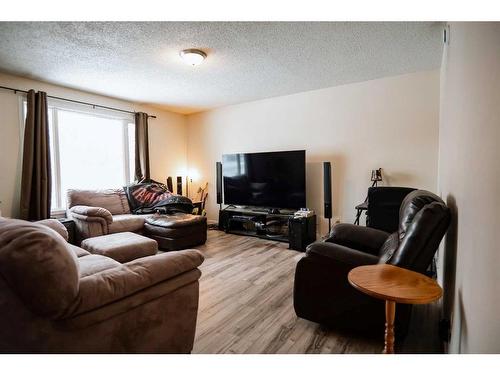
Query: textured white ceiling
246, 61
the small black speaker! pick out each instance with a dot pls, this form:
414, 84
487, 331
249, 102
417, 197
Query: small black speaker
218, 170
327, 189
301, 232
170, 185
179, 185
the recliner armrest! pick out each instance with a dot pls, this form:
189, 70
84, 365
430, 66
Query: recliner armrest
88, 212
340, 254
365, 239
113, 284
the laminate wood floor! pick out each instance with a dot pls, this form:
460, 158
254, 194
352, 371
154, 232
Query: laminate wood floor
246, 305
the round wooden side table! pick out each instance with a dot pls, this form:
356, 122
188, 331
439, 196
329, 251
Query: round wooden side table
394, 284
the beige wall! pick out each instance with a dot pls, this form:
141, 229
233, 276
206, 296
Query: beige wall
167, 136
357, 127
390, 123
469, 180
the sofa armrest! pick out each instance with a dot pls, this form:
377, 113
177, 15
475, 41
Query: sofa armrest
340, 254
89, 213
55, 225
89, 221
368, 240
114, 284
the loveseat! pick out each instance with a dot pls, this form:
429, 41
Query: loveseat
59, 298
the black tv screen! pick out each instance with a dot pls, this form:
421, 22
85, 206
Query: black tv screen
265, 179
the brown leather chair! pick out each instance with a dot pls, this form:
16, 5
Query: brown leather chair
59, 298
321, 291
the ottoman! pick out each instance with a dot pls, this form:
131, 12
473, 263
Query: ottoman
176, 231
122, 247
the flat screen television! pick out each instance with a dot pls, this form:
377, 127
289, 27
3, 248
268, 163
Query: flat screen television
265, 179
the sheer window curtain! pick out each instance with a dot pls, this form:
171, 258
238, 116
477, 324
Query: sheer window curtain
141, 147
36, 173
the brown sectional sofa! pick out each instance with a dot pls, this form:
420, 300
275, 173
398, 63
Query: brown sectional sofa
102, 212
59, 298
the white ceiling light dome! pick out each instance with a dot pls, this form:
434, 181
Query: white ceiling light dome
193, 56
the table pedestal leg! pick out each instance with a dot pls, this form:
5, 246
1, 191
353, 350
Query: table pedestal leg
390, 313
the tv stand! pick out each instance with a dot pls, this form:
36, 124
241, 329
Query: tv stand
274, 211
277, 225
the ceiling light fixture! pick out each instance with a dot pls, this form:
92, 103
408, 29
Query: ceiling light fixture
193, 56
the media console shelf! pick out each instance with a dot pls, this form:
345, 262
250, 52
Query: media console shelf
282, 226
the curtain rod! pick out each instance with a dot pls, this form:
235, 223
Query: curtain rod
75, 101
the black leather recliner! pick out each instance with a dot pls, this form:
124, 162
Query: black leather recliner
321, 291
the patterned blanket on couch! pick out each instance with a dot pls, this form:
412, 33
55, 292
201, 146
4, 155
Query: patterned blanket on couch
151, 197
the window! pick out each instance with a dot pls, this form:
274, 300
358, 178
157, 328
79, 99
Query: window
90, 149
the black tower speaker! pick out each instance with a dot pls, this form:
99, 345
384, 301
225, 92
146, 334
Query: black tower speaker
327, 191
170, 185
218, 170
179, 185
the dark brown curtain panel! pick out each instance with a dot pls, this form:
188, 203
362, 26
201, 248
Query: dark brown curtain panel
141, 147
35, 179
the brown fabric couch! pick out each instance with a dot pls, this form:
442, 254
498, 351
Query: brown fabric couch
58, 298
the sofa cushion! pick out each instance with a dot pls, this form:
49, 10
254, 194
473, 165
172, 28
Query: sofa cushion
38, 266
126, 223
114, 200
79, 252
122, 247
92, 264
127, 279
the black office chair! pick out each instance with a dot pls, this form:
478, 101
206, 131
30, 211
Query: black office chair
383, 207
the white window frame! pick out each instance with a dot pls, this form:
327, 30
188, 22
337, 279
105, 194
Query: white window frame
57, 105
